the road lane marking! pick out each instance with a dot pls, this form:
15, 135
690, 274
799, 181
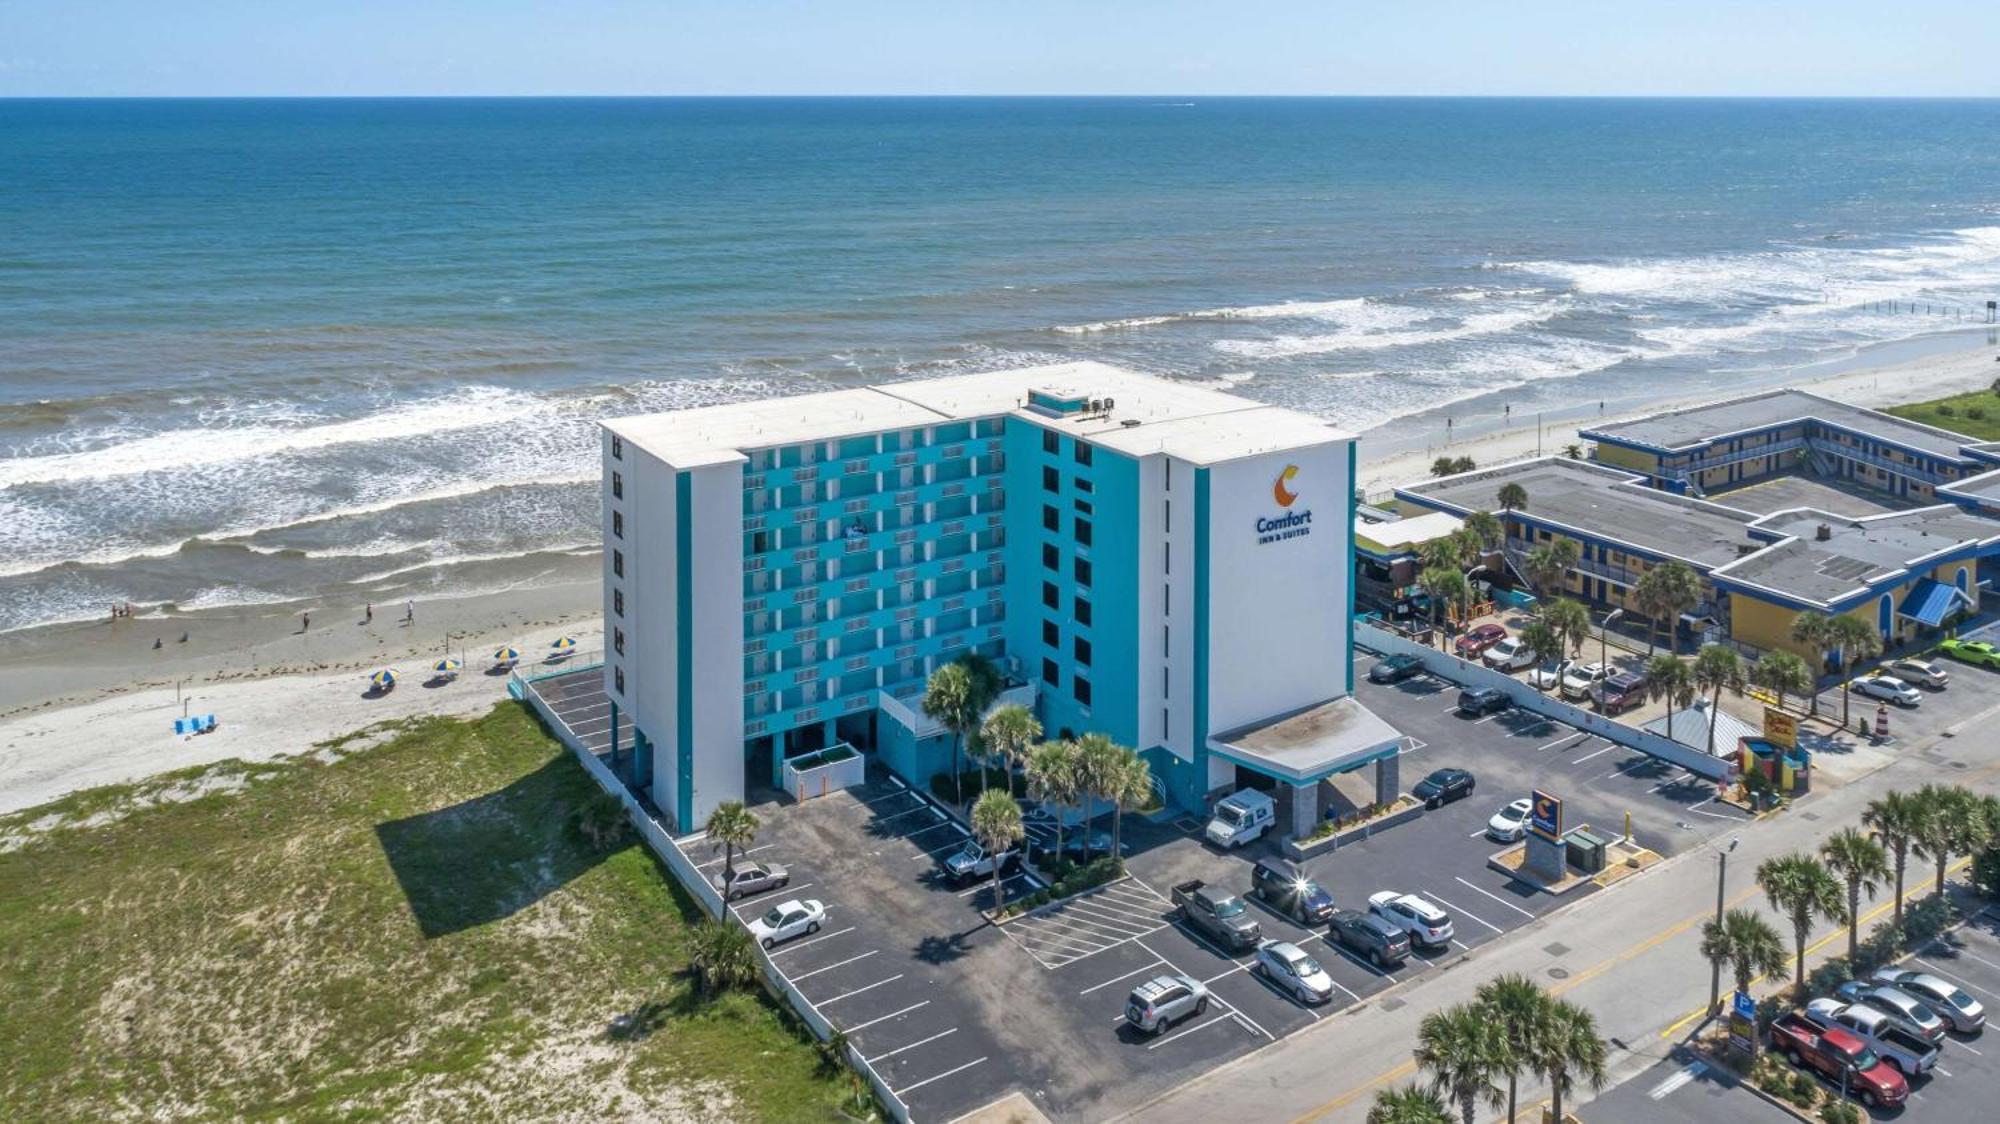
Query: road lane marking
1670, 1085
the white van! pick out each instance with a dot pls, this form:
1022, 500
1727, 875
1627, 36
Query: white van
1241, 818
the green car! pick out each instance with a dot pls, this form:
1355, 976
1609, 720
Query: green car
1971, 651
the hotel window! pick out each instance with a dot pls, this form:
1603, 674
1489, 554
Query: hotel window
618, 640
1083, 532
1051, 441
618, 563
1081, 649
1084, 486
1081, 689
618, 678
617, 485
1082, 611
1083, 507
618, 602
618, 524
1082, 453
1051, 557
617, 447
1051, 596
1050, 673
1051, 518
1051, 635
1051, 480
1167, 558
1083, 571
1169, 505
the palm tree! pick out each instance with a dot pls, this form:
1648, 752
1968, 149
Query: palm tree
1462, 1051
1549, 564
1861, 863
1569, 1048
1671, 588
1782, 673
1486, 530
1669, 680
730, 826
1512, 498
1446, 552
1716, 666
1952, 823
720, 955
1443, 466
1803, 889
1650, 596
1445, 587
1052, 779
1814, 630
1097, 767
1858, 643
956, 696
1539, 638
996, 823
1894, 818
1408, 1105
1569, 620
1745, 942
1132, 787
1516, 1004
1009, 731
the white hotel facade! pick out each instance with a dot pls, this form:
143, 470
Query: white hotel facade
1157, 561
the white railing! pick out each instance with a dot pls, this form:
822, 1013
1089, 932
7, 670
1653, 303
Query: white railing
909, 711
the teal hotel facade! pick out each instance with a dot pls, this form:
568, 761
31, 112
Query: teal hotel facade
1147, 558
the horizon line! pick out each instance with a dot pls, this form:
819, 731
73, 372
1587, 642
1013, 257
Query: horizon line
995, 97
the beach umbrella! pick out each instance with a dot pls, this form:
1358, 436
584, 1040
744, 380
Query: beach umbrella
563, 643
383, 679
505, 655
447, 666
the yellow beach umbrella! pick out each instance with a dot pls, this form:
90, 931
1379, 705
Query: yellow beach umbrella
563, 643
383, 679
505, 655
447, 666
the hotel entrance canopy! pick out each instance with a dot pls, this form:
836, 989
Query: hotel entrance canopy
1311, 744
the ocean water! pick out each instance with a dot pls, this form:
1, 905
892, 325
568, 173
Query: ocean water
270, 351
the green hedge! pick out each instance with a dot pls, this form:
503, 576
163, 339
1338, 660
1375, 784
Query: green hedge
1070, 879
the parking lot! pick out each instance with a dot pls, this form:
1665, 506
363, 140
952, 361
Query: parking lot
1966, 1082
1683, 1090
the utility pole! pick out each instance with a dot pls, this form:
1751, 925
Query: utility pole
1721, 877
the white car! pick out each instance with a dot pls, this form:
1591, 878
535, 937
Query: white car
1509, 655
1578, 678
1548, 676
1510, 824
1288, 967
1923, 673
1946, 999
786, 920
1887, 689
1426, 923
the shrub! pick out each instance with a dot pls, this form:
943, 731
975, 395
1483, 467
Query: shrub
1986, 872
1976, 413
1840, 1112
1944, 410
1927, 919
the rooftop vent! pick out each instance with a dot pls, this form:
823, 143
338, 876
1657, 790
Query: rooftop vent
1129, 422
1823, 533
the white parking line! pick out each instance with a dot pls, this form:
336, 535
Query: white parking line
1245, 1019
1974, 956
939, 1077
1590, 756
1243, 967
1569, 737
1180, 1034
909, 812
782, 949
1940, 970
859, 990
856, 1029
1466, 912
911, 1046
1942, 1070
1495, 897
739, 854
1353, 959
758, 899
1086, 926
831, 967
1115, 979
986, 884
934, 852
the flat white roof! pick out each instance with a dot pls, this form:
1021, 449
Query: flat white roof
1401, 534
1313, 743
1149, 415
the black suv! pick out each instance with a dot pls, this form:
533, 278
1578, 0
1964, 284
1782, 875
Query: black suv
1443, 787
1370, 936
1284, 887
1483, 700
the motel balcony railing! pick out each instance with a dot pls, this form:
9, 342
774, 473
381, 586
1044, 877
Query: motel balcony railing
1723, 460
1859, 455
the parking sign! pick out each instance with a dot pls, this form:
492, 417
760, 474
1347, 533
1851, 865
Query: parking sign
1546, 815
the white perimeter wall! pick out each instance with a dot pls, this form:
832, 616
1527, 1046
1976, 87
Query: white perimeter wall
1278, 611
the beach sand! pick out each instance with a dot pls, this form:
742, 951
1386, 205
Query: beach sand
93, 703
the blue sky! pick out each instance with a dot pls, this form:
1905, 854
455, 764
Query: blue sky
337, 47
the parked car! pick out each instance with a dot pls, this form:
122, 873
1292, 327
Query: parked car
975, 861
751, 878
1888, 689
1904, 1010
1283, 885
1946, 999
1579, 678
786, 920
1425, 923
1288, 967
1976, 652
1221, 916
1078, 843
1510, 824
1240, 818
1396, 668
1475, 641
1923, 673
1366, 934
1841, 1058
1548, 676
1163, 1001
1910, 1054
1476, 701
1509, 655
1619, 690
1443, 786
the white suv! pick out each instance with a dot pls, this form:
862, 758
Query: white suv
1426, 923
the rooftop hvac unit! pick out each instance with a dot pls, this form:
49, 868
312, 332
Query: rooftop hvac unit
1109, 404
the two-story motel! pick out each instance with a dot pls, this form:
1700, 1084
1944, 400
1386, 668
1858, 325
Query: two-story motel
1157, 561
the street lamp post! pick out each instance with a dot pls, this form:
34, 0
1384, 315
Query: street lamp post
1721, 876
1604, 637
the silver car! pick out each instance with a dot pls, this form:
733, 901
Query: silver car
1888, 689
1288, 967
1947, 999
1904, 1010
1163, 1001
751, 878
1924, 673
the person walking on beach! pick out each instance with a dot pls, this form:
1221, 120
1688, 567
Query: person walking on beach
305, 621
368, 614
409, 612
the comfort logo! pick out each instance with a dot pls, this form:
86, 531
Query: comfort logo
1285, 496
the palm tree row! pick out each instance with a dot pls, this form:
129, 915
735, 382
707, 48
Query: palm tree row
1511, 1028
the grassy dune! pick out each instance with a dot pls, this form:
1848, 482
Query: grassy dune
444, 920
1976, 414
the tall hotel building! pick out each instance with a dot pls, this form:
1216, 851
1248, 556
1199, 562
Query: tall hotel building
1156, 561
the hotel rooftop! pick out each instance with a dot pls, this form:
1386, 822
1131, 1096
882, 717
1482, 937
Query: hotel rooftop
1701, 425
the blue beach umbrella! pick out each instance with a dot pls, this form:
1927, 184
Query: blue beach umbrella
446, 666
383, 679
505, 655
563, 643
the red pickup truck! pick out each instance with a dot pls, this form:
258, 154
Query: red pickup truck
1841, 1058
